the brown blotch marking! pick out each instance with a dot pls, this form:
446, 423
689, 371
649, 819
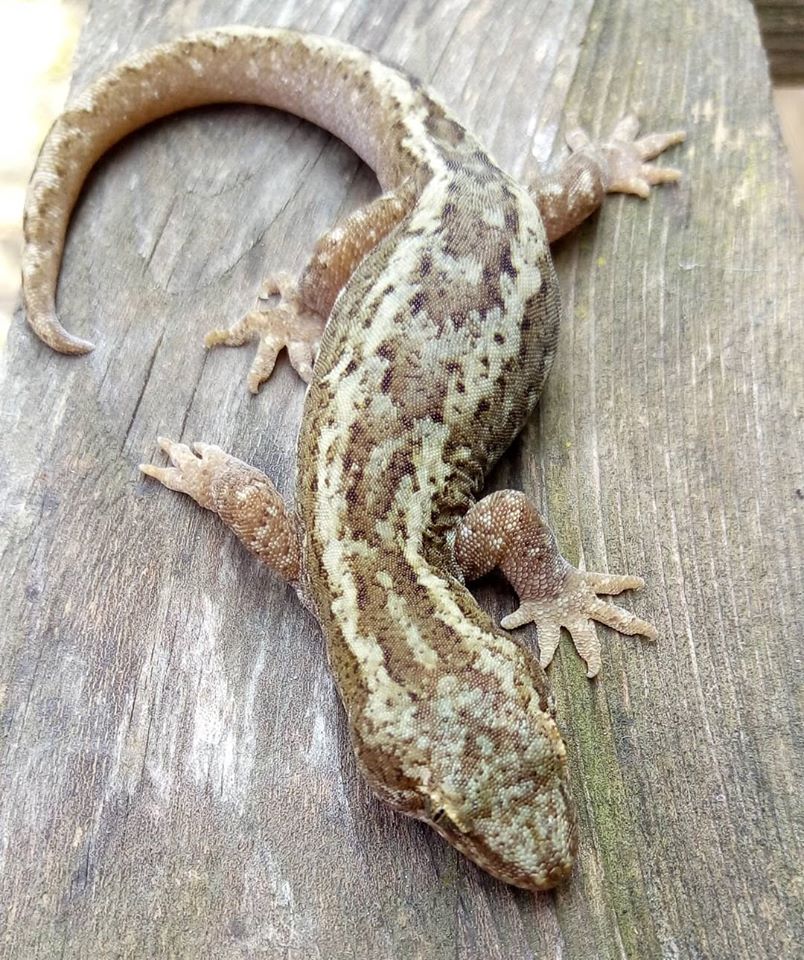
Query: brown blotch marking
387, 350
531, 311
509, 365
370, 499
506, 266
400, 466
362, 595
417, 301
492, 294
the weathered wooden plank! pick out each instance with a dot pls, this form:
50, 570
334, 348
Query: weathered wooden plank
786, 66
782, 27
176, 778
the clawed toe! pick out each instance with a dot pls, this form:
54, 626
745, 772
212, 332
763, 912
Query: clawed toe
179, 453
653, 144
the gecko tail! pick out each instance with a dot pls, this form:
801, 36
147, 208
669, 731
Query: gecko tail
49, 329
319, 79
40, 271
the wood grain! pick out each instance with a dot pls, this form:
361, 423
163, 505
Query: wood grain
175, 775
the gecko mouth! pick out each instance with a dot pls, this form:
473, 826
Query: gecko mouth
551, 867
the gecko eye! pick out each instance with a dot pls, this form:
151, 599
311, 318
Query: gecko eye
437, 815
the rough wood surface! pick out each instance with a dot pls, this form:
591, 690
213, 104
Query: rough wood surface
175, 777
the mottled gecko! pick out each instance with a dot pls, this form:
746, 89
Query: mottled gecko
425, 324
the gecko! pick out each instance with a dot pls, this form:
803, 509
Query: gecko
424, 324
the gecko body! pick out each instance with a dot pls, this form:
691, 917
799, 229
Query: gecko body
426, 324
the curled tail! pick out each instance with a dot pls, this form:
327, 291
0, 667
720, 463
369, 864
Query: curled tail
325, 81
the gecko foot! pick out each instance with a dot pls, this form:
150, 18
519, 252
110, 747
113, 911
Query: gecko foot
505, 530
193, 470
241, 495
575, 608
623, 156
286, 324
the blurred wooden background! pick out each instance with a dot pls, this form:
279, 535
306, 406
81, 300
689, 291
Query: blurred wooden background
782, 25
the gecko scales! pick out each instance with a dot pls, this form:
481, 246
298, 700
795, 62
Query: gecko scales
425, 325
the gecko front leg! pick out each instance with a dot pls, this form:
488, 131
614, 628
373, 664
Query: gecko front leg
505, 530
297, 321
242, 496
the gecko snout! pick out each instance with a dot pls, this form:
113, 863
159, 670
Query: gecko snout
508, 810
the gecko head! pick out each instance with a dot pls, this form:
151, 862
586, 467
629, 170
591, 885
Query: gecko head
499, 790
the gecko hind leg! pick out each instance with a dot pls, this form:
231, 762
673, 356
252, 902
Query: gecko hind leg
505, 530
297, 321
242, 496
618, 164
